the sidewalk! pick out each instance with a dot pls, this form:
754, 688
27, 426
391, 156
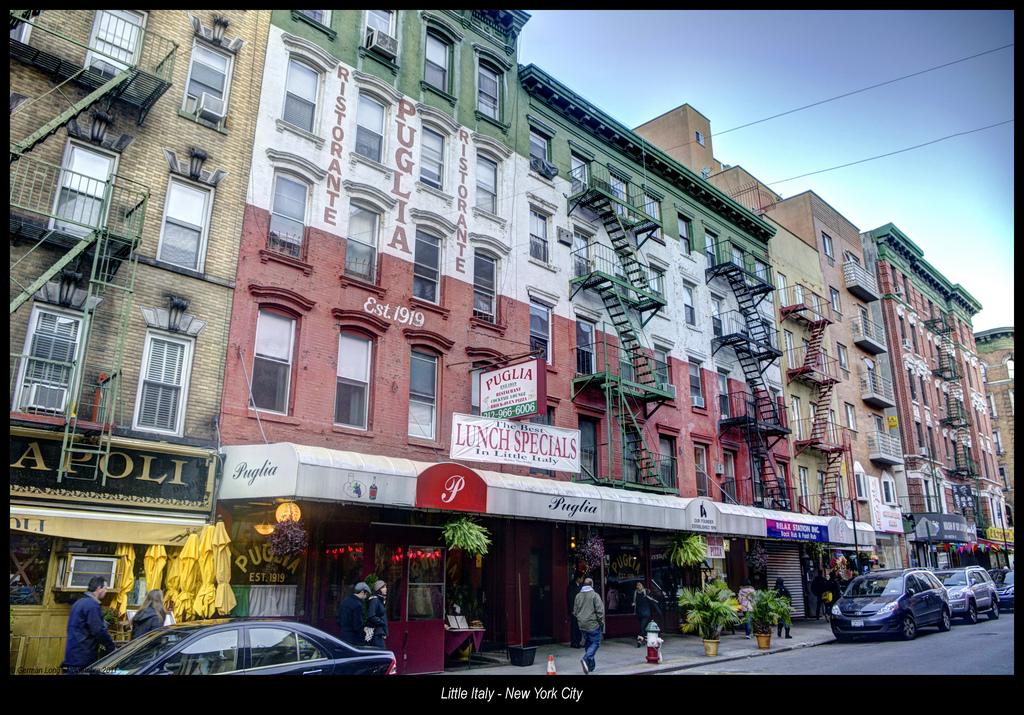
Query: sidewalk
620, 656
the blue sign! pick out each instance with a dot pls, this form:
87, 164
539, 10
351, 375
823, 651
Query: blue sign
794, 530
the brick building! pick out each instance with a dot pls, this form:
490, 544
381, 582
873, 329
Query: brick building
995, 349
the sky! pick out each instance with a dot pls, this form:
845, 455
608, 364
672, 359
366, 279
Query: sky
954, 198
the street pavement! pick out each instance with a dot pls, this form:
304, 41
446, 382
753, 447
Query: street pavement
985, 648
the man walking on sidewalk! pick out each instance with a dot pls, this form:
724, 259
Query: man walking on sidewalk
589, 611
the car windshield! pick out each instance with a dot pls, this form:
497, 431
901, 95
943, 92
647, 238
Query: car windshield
872, 586
952, 578
140, 653
1008, 578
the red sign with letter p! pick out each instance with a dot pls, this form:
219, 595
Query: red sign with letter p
451, 487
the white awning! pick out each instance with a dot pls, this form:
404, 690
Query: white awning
841, 531
115, 527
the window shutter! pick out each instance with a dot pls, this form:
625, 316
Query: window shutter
162, 385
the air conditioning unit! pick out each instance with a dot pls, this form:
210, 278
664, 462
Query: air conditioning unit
80, 568
907, 345
719, 468
210, 108
383, 43
46, 397
564, 236
544, 168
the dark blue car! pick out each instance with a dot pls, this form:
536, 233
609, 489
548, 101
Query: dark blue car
1005, 591
896, 602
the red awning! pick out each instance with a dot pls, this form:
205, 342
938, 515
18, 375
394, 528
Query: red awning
996, 544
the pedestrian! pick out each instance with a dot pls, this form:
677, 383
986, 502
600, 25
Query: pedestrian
745, 598
818, 587
377, 617
87, 630
589, 611
151, 615
350, 615
644, 606
575, 637
780, 588
835, 590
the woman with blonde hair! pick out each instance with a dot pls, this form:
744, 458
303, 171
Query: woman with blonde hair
151, 615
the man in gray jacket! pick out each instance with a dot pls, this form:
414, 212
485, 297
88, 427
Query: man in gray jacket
589, 612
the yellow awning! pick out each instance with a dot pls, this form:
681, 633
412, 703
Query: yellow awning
117, 527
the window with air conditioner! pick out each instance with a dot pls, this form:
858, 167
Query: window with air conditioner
116, 40
163, 384
380, 32
79, 569
661, 368
209, 80
301, 93
46, 373
696, 385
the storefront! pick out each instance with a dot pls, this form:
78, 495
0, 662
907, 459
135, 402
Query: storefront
888, 523
936, 537
63, 533
1000, 541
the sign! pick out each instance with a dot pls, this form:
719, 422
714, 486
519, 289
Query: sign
136, 474
518, 390
451, 487
894, 422
942, 528
963, 497
251, 560
795, 531
716, 547
479, 439
875, 494
258, 471
994, 533
701, 515
397, 313
883, 517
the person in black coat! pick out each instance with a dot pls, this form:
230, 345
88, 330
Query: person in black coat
151, 615
836, 589
818, 586
87, 630
780, 588
575, 636
645, 607
377, 616
350, 615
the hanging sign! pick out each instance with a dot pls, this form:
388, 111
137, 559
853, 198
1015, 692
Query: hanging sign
451, 487
716, 547
479, 439
518, 390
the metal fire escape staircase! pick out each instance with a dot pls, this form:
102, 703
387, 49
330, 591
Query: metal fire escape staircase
810, 365
755, 344
77, 225
632, 389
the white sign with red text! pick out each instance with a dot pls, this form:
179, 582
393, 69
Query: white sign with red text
515, 391
883, 517
481, 439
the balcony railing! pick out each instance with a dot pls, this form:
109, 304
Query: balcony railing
741, 407
725, 255
876, 391
884, 448
823, 435
799, 302
360, 261
860, 281
629, 203
605, 358
868, 335
598, 258
736, 332
55, 388
811, 366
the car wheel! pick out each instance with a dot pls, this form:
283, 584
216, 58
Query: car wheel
993, 614
909, 629
945, 623
972, 613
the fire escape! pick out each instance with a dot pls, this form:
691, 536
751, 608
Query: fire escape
79, 228
811, 366
626, 373
753, 338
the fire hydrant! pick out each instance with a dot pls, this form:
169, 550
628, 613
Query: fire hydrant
654, 642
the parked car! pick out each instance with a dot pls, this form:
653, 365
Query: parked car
1005, 590
242, 647
898, 601
998, 574
971, 591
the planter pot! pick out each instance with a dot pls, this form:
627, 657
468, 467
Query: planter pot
522, 655
764, 640
710, 647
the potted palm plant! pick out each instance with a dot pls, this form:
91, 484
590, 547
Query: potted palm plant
767, 609
708, 611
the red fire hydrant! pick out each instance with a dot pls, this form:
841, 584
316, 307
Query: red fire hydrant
654, 642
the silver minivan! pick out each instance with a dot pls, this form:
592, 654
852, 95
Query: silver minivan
971, 591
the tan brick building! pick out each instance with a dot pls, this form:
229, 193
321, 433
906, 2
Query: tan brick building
995, 348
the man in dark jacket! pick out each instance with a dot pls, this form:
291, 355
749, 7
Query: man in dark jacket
575, 636
645, 607
377, 617
350, 615
87, 630
818, 586
780, 588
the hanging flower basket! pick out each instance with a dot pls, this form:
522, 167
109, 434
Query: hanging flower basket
465, 534
685, 551
592, 552
757, 558
288, 538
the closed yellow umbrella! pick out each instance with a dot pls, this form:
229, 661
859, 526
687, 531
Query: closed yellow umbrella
202, 605
126, 580
172, 582
156, 559
188, 577
225, 600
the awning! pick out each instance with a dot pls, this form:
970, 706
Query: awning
703, 514
116, 527
841, 531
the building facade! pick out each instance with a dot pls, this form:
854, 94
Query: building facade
995, 348
126, 204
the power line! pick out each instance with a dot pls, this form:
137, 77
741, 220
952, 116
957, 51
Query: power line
891, 153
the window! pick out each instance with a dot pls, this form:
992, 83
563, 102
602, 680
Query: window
579, 173
352, 394
432, 159
699, 137
580, 254
484, 281
321, 16
488, 91
617, 186
912, 382
288, 216
700, 465
803, 474
661, 371
588, 446
931, 442
209, 74
303, 86
913, 339
538, 236
729, 476
851, 416
272, 364
83, 181
781, 281
683, 225
652, 208
710, 239
920, 434
427, 270
888, 491
844, 356
21, 34
716, 316
836, 305
723, 395
380, 21
584, 347
361, 244
689, 303
164, 377
761, 270
116, 38
797, 417
210, 655
52, 347
924, 391
540, 330
826, 242
787, 336
998, 439
658, 281
538, 145
422, 395
435, 70
277, 646
696, 387
903, 329
370, 128
486, 185
183, 239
